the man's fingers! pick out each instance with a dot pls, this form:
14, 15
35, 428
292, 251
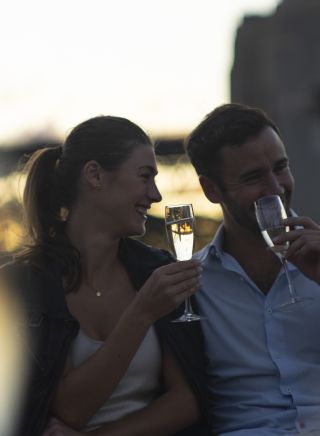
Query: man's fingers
304, 221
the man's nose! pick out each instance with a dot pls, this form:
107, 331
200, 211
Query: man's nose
273, 186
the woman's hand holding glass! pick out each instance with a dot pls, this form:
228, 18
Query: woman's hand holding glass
167, 287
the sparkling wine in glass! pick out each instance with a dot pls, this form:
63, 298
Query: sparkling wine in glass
269, 213
180, 231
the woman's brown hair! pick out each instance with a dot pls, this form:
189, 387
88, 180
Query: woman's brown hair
52, 175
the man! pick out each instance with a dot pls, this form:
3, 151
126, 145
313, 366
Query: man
263, 358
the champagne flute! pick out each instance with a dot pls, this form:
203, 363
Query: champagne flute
269, 213
179, 225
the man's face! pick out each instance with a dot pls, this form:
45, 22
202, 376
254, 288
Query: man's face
252, 170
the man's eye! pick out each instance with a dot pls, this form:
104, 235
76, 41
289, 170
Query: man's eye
281, 167
251, 178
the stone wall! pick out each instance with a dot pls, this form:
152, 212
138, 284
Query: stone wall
277, 67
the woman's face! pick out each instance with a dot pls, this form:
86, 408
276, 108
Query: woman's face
129, 192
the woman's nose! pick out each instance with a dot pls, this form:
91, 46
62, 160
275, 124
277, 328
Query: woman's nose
154, 194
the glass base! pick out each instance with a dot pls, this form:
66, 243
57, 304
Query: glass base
188, 317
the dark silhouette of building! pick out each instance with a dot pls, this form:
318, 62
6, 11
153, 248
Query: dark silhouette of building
277, 67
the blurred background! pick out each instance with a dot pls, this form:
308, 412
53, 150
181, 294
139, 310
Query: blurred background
164, 64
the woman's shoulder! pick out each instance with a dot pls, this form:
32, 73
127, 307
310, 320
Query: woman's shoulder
35, 285
141, 260
19, 269
135, 246
17, 278
14, 271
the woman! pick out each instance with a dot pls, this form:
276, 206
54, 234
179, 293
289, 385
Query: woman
105, 359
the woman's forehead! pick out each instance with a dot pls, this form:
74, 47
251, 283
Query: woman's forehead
141, 156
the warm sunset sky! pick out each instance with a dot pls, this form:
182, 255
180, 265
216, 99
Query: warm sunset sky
162, 63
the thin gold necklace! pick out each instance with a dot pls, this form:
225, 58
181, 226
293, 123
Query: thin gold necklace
98, 293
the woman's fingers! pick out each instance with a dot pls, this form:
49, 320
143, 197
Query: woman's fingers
177, 282
169, 286
178, 267
179, 273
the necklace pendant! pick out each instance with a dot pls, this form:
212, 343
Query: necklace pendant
98, 294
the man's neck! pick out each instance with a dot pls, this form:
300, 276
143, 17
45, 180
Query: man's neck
251, 252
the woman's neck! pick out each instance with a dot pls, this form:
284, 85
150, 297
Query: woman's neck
98, 250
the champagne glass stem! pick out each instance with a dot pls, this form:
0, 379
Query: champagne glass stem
188, 314
293, 294
188, 308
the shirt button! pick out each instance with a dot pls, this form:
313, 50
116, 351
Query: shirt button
302, 424
269, 310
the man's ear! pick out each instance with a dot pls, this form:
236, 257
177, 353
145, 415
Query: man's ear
92, 174
210, 189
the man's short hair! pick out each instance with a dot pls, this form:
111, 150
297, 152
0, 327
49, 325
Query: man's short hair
227, 125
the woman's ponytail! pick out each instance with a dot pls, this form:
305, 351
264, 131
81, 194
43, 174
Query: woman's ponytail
41, 198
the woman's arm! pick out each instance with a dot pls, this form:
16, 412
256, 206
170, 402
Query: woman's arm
175, 410
83, 390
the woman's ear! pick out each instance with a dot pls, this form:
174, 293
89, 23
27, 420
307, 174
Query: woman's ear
210, 189
92, 174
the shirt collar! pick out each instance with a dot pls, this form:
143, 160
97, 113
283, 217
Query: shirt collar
214, 247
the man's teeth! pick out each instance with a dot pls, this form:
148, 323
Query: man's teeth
143, 211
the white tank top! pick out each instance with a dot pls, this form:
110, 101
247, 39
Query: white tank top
139, 385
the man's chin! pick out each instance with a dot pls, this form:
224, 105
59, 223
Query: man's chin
139, 232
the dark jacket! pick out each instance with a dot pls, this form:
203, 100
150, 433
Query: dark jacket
52, 328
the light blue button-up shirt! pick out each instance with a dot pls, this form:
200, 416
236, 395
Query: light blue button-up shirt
264, 361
